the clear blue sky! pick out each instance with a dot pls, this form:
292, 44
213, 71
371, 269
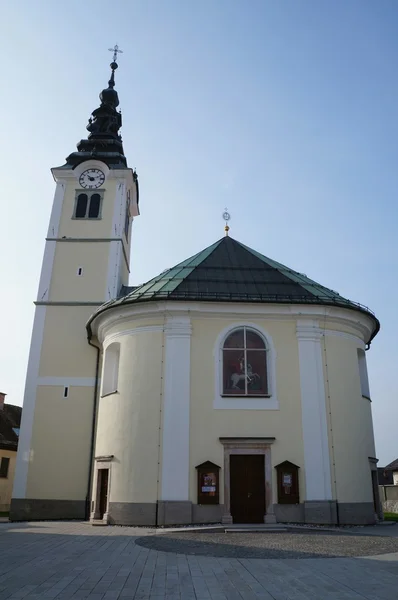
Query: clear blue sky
286, 111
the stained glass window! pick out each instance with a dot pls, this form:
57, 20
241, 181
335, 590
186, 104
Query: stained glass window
244, 358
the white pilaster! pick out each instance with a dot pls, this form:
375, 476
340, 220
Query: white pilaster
25, 436
49, 248
313, 407
176, 400
115, 247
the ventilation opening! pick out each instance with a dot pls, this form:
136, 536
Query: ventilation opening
80, 271
66, 392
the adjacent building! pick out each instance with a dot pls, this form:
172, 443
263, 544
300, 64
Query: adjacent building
10, 421
392, 470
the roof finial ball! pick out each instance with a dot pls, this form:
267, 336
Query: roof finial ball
226, 216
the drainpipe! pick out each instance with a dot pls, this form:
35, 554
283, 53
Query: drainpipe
92, 443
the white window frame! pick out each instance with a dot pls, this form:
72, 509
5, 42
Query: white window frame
110, 369
266, 402
363, 373
89, 194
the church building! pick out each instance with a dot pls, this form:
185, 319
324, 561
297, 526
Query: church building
228, 389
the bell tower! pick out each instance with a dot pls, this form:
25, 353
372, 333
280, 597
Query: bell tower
86, 262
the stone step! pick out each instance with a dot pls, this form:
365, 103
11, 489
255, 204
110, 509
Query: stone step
255, 529
98, 523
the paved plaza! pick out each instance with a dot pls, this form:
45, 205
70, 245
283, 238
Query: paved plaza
70, 560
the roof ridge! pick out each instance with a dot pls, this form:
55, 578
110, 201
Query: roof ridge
182, 265
295, 276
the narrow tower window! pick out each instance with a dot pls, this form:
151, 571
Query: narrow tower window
127, 219
80, 271
127, 224
66, 392
81, 206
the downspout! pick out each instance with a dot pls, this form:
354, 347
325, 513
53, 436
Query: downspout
91, 461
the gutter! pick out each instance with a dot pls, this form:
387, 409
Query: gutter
91, 461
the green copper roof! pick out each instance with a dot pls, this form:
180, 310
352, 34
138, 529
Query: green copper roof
228, 271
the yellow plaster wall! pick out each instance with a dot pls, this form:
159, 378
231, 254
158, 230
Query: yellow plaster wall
128, 421
65, 350
6, 483
60, 448
209, 424
351, 421
66, 285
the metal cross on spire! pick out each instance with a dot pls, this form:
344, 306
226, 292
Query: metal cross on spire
226, 216
115, 51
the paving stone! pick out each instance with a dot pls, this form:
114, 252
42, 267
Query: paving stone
73, 560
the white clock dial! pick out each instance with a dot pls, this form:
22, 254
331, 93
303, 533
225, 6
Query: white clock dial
92, 178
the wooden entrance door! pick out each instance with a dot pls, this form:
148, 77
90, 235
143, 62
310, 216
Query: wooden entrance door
103, 476
247, 485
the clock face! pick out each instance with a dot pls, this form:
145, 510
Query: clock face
92, 178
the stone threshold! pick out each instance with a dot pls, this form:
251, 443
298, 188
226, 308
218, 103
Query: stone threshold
249, 528
234, 528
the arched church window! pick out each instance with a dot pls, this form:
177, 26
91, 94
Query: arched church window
94, 209
81, 206
110, 372
244, 358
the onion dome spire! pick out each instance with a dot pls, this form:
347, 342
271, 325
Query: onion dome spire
109, 96
104, 141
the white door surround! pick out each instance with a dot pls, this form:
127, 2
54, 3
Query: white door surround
253, 445
101, 462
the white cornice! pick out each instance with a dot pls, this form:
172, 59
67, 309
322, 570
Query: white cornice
330, 332
361, 325
178, 326
145, 329
67, 381
59, 173
308, 329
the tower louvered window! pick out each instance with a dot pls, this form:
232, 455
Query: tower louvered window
88, 206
